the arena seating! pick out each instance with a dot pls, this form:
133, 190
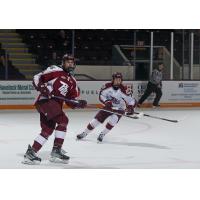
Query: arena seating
38, 48
92, 47
13, 72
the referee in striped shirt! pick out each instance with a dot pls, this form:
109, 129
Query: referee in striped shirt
154, 85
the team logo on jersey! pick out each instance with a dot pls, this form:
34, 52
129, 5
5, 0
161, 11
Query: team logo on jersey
115, 101
63, 89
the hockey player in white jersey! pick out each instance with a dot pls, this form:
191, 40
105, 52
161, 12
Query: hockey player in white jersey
115, 97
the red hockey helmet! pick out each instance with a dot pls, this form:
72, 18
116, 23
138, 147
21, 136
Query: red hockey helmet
115, 83
68, 57
68, 66
117, 75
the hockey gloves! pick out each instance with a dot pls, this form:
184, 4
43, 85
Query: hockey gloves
130, 110
81, 104
77, 104
108, 105
44, 90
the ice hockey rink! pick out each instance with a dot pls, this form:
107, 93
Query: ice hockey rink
133, 143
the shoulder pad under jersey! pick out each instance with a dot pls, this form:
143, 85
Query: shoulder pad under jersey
106, 85
53, 68
126, 90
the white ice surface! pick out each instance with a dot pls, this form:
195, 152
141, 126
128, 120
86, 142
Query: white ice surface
140, 143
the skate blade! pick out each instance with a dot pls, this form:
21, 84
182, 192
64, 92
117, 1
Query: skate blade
81, 139
58, 160
29, 162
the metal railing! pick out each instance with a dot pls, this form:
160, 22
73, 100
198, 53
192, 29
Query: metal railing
6, 65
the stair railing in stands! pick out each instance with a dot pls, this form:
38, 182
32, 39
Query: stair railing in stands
6, 65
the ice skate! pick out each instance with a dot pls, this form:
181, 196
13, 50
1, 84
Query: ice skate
81, 136
58, 156
30, 157
155, 106
139, 105
100, 137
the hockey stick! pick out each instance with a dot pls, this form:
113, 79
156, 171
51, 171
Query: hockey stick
169, 120
123, 115
64, 99
146, 115
70, 100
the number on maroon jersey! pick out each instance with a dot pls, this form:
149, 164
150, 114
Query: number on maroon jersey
63, 88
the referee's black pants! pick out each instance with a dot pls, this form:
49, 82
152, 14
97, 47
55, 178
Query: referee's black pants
151, 88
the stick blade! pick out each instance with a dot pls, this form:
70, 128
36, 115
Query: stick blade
170, 120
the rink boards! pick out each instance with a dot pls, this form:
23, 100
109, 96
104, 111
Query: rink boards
21, 94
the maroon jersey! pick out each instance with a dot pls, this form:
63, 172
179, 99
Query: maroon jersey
58, 82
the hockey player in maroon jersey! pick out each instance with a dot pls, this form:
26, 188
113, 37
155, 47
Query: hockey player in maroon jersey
53, 83
115, 98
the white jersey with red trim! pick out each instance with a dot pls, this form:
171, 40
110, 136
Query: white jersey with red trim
120, 98
58, 82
